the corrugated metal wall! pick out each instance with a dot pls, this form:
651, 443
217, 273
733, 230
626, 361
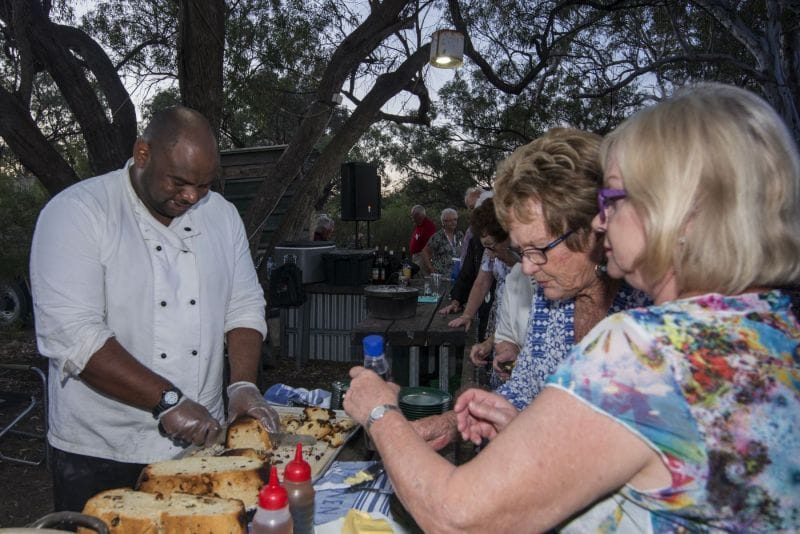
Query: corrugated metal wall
331, 317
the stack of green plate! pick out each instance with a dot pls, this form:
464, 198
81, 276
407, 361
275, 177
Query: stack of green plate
419, 402
339, 388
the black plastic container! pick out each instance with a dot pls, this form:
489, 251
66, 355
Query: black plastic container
347, 267
391, 302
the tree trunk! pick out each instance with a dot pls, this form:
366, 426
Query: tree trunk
355, 47
108, 121
327, 165
29, 145
201, 49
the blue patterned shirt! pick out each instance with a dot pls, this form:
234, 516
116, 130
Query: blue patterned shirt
550, 338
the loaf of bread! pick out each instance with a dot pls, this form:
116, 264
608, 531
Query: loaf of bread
125, 511
247, 433
229, 477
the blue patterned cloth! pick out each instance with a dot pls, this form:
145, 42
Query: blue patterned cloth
550, 337
331, 504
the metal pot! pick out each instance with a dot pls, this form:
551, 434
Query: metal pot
391, 302
60, 519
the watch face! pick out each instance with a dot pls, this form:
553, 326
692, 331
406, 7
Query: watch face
170, 397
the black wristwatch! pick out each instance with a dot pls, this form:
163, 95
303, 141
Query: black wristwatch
169, 398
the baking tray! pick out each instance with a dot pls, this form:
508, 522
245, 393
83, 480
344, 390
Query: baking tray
320, 456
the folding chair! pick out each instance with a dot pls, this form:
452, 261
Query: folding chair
16, 405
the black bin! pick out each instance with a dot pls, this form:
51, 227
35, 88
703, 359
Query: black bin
347, 267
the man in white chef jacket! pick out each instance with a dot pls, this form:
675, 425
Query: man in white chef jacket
139, 277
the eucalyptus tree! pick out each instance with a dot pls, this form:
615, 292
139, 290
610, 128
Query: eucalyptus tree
649, 47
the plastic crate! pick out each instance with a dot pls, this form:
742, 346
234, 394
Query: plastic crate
347, 267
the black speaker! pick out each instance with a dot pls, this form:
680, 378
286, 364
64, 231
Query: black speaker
361, 192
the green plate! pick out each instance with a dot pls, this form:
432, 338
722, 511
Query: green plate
424, 399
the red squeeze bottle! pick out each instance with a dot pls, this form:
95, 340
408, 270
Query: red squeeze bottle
272, 515
297, 480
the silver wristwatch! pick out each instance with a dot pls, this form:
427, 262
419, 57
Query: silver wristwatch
378, 412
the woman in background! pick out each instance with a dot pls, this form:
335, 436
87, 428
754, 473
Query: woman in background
444, 245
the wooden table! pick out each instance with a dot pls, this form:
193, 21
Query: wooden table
427, 332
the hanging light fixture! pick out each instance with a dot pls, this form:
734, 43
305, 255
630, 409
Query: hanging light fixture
447, 49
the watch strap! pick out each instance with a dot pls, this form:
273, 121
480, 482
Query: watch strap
378, 412
165, 403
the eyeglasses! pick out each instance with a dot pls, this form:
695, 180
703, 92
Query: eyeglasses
537, 255
606, 199
493, 247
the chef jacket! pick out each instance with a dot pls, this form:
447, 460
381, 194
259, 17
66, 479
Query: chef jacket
102, 266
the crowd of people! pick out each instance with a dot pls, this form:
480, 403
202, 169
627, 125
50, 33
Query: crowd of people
645, 360
658, 385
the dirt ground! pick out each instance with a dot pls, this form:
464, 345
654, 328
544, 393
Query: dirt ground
26, 490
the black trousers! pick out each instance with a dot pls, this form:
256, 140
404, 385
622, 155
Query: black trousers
77, 478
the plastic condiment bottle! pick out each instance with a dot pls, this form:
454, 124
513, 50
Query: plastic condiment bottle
374, 357
272, 515
297, 481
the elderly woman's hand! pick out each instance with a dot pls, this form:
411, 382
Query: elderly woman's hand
453, 307
505, 354
437, 430
464, 320
367, 390
482, 414
479, 352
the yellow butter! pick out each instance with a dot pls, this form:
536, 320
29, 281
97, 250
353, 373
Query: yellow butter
358, 478
358, 522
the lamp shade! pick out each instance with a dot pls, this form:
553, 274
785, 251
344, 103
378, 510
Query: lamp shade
447, 49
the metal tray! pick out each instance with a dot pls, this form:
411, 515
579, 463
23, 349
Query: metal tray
320, 456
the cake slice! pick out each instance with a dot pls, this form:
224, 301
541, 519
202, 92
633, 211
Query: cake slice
125, 511
247, 433
230, 477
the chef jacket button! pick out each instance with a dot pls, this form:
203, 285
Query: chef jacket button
163, 303
192, 302
187, 228
194, 353
163, 355
158, 247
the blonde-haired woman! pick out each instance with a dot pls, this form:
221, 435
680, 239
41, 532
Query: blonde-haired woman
684, 416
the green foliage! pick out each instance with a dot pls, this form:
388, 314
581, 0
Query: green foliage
21, 198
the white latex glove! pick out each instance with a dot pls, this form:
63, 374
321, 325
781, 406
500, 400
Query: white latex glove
244, 398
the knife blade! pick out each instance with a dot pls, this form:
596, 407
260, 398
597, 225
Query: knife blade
192, 449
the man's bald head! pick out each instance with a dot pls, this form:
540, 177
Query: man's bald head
169, 125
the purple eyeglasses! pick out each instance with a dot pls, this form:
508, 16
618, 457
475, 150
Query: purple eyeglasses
606, 198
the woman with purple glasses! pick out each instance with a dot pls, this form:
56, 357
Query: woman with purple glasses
681, 417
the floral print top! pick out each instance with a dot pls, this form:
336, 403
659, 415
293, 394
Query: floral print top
549, 339
443, 251
712, 383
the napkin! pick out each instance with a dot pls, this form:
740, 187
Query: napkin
332, 501
283, 395
430, 299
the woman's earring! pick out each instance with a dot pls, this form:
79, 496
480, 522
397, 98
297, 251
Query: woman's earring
600, 270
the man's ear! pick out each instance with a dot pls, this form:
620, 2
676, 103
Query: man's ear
141, 153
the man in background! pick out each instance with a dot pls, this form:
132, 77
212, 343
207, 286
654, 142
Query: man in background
323, 230
424, 228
